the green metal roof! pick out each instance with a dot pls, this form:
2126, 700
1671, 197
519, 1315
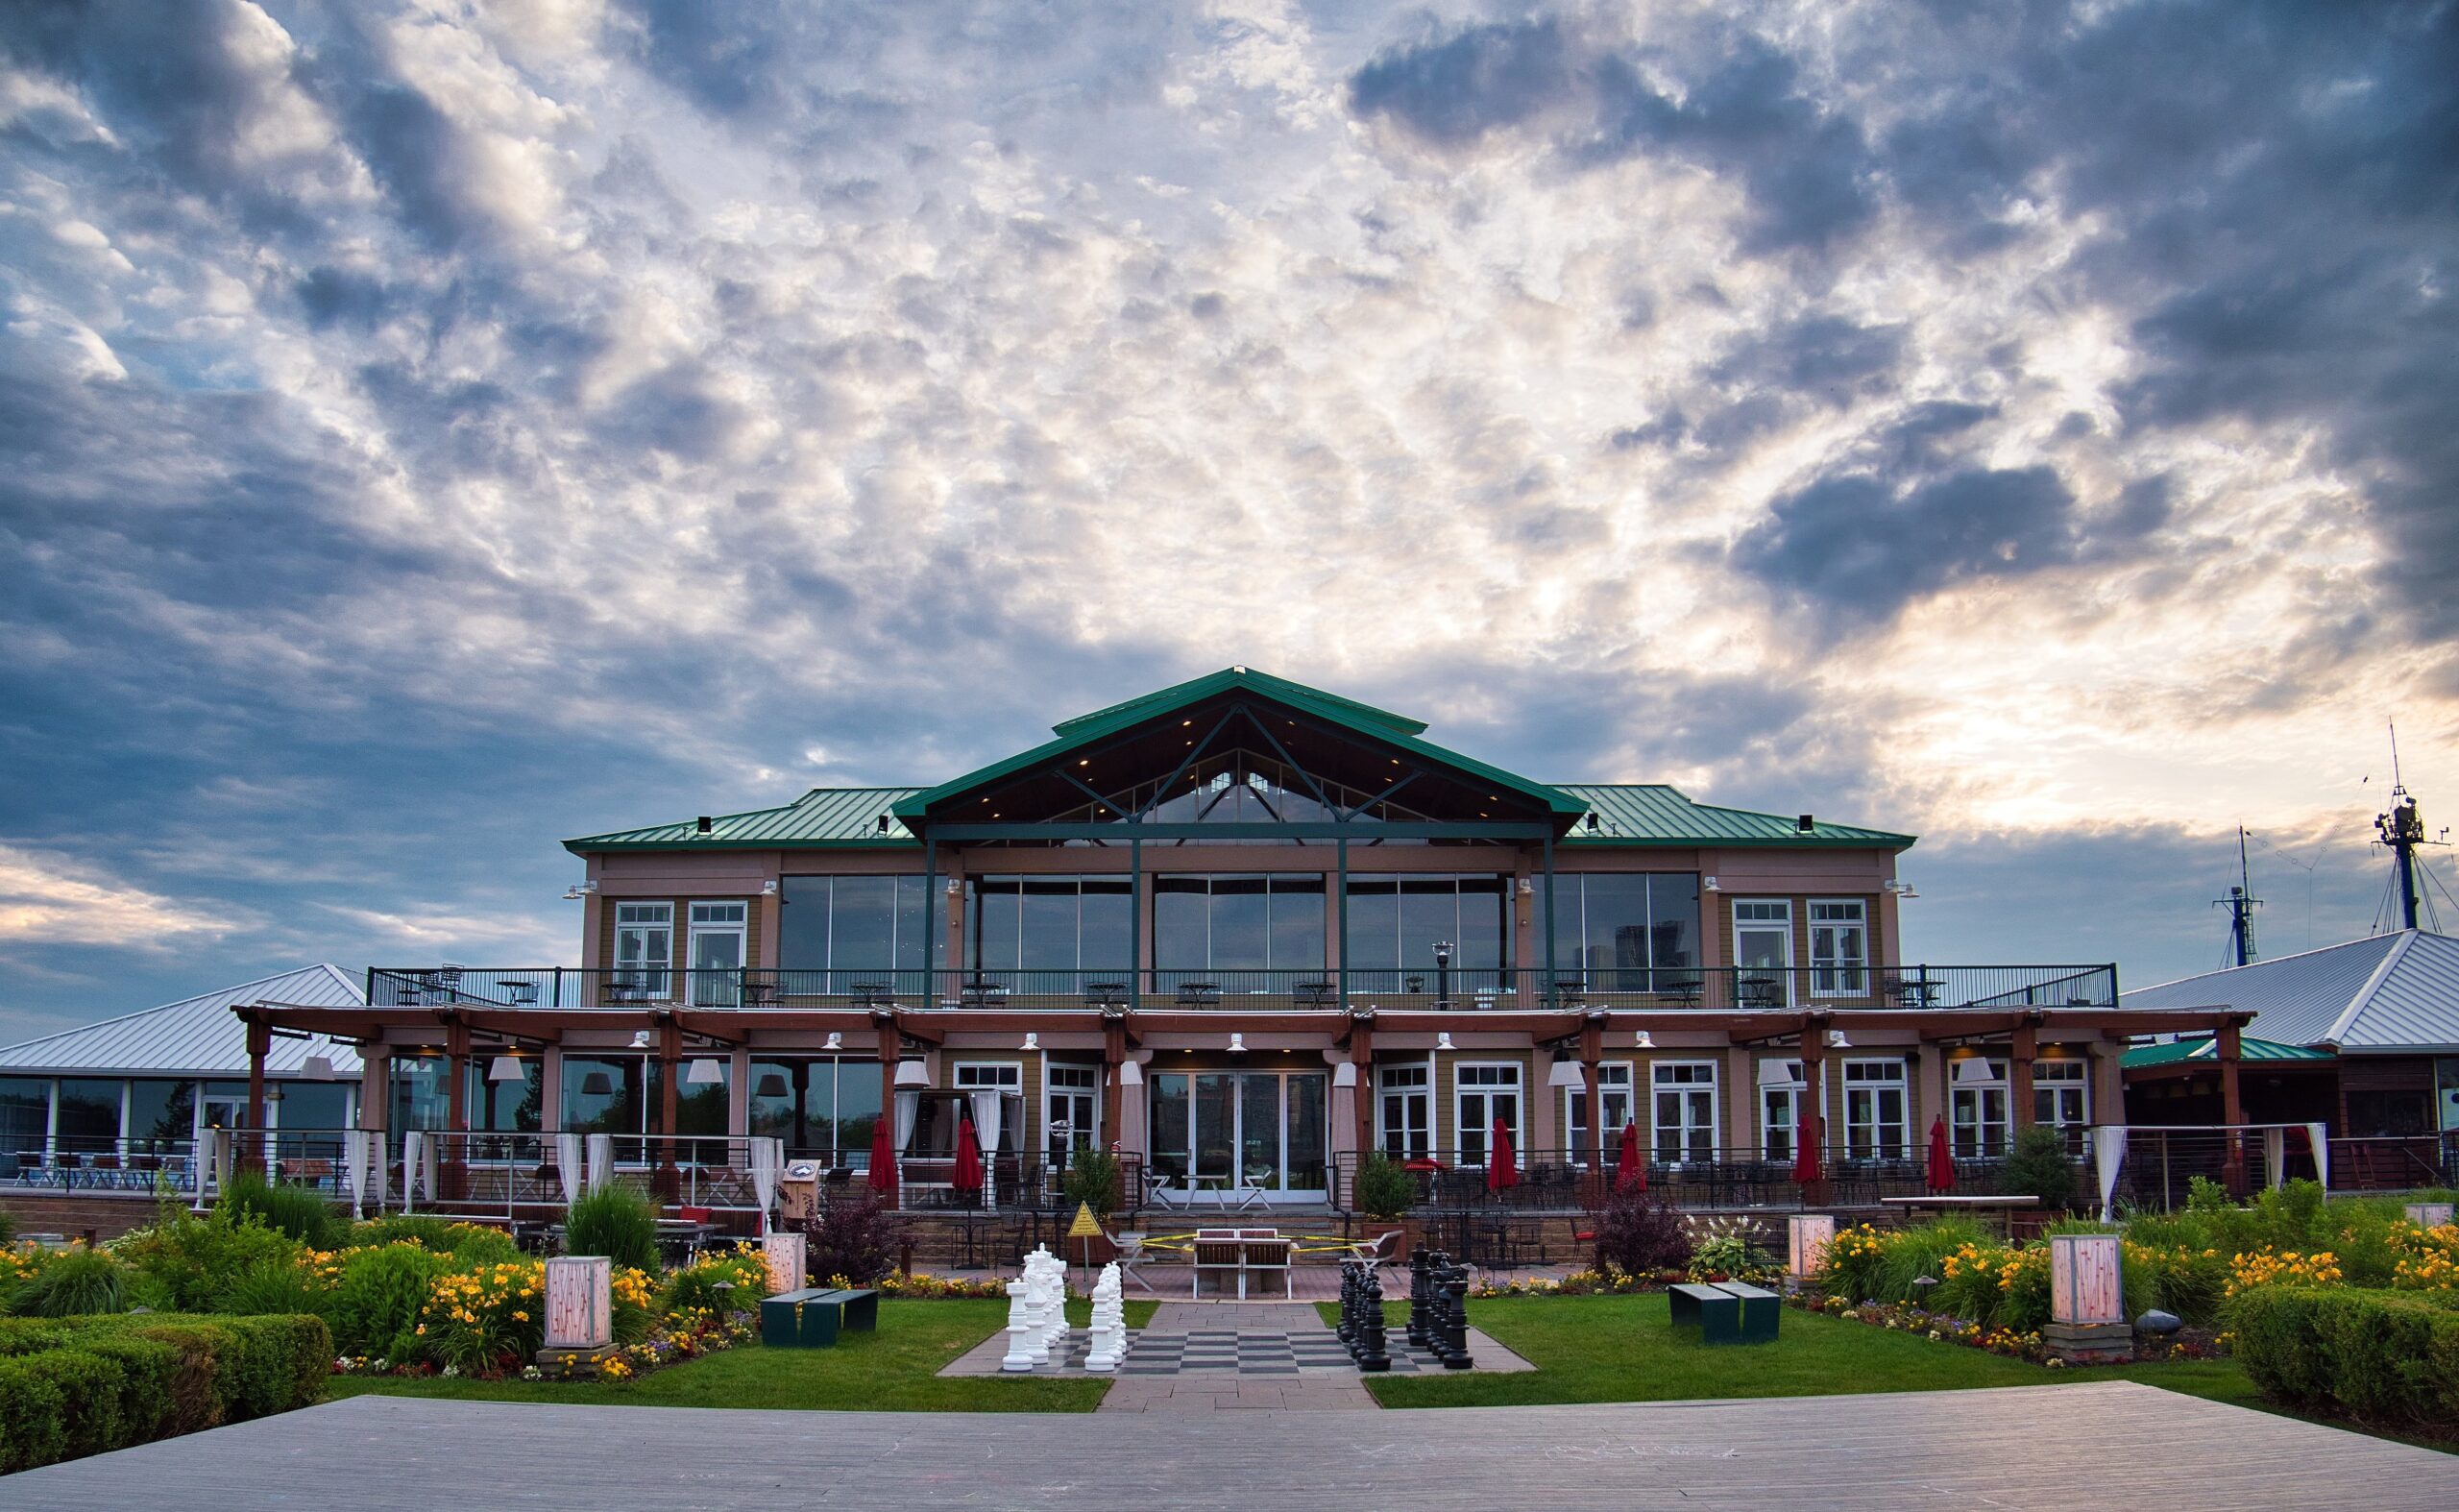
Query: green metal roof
2249, 1048
1654, 813
829, 817
1346, 714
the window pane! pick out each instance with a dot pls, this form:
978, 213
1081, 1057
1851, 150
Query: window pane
1482, 933
1617, 946
326, 1105
802, 923
1673, 919
862, 927
88, 1115
507, 1107
1108, 925
25, 1113
699, 1108
1429, 911
912, 926
1374, 924
1240, 929
603, 1095
1048, 930
1169, 1122
858, 1109
1298, 924
155, 1110
1181, 935
997, 923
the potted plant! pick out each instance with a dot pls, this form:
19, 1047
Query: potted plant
1384, 1191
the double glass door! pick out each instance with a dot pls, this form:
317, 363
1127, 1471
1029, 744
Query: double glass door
1241, 1130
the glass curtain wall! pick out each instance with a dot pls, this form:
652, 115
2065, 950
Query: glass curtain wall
1049, 933
1246, 933
836, 933
1396, 922
501, 1106
25, 1116
1628, 932
825, 1108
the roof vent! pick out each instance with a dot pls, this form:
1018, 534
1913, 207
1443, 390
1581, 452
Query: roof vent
1805, 824
701, 824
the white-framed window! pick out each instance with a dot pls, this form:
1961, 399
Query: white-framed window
1780, 1112
1072, 1098
1483, 1091
1763, 952
1407, 1111
715, 941
1878, 1121
1613, 1099
643, 946
1839, 948
1686, 1109
2062, 1098
1000, 1076
1977, 1107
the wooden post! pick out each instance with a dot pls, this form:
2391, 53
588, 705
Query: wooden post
451, 1169
252, 1155
1591, 1059
669, 1181
2019, 1078
1814, 1087
1361, 1054
2227, 1045
1113, 1053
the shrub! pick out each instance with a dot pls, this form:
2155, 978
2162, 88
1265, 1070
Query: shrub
854, 1237
298, 1213
1092, 1179
616, 1222
375, 1306
76, 1282
1385, 1189
474, 1242
696, 1288
481, 1321
2383, 1355
2038, 1164
82, 1386
8, 1228
274, 1285
1639, 1237
185, 1258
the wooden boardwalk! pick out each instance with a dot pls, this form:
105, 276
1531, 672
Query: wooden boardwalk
2094, 1445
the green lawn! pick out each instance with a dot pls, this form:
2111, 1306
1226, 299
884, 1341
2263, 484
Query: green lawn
895, 1370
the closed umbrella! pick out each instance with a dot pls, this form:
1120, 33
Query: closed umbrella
1806, 1146
882, 1174
1631, 1170
1503, 1168
1942, 1165
968, 1172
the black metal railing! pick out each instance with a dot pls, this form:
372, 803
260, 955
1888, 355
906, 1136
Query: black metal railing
1445, 988
1582, 1179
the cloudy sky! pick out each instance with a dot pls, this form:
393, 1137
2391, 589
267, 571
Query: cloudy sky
431, 430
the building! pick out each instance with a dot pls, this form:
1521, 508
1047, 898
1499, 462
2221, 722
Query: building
1241, 930
2362, 1035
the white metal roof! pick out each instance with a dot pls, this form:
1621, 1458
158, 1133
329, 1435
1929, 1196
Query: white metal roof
2397, 992
197, 1036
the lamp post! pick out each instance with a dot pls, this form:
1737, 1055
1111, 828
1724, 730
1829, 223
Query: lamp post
1443, 973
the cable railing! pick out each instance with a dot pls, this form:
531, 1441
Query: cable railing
1434, 987
1583, 1180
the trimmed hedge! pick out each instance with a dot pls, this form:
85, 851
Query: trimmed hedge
76, 1386
2386, 1356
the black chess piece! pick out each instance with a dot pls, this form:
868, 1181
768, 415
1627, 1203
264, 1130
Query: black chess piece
1420, 1295
1373, 1353
1455, 1319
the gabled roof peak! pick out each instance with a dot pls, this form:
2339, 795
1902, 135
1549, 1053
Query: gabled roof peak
1240, 676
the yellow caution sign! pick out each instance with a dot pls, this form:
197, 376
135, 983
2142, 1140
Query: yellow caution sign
1084, 1227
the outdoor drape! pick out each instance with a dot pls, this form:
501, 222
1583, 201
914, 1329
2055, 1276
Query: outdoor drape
217, 1161
2109, 1152
378, 1169
967, 1176
601, 1160
2321, 1143
2275, 1157
1631, 1171
354, 1168
568, 1165
418, 1167
1806, 1146
767, 1160
909, 1107
883, 1172
1503, 1169
1941, 1174
985, 1130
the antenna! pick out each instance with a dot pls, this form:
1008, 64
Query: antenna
2403, 830
2241, 904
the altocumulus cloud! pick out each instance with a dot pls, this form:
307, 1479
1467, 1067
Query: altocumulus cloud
453, 426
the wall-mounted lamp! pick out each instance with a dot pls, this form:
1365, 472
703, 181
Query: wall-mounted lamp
1237, 1044
956, 886
1527, 888
1901, 889
705, 1072
1442, 1040
1642, 1042
835, 1040
768, 889
503, 1068
1033, 1042
1131, 1073
1708, 884
1345, 1074
579, 890
1836, 1040
640, 1039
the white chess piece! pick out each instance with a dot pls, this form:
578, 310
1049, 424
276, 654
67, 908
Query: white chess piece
1019, 1356
1109, 1323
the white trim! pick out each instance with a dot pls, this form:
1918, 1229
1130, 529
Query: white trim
1518, 1091
1712, 1086
1861, 970
1784, 930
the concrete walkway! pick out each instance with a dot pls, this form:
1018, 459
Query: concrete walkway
2099, 1445
1337, 1389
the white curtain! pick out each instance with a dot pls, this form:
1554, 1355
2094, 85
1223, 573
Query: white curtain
418, 1167
217, 1162
568, 1166
354, 1169
909, 1107
2275, 1157
601, 1160
2109, 1152
379, 1172
2321, 1143
767, 1158
985, 1128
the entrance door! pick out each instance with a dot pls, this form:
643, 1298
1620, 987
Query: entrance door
1240, 1131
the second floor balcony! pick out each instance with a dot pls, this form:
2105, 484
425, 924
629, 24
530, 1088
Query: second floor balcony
1440, 989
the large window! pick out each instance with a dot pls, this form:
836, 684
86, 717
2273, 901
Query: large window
89, 1117
422, 1093
25, 1114
717, 944
821, 1105
1049, 933
1779, 1108
160, 1111
1978, 1107
621, 1094
1223, 925
1686, 1109
1396, 922
1614, 1096
1877, 1117
834, 932
643, 946
1408, 1120
1072, 1108
2062, 1098
1840, 948
510, 1106
1762, 951
1482, 1094
1628, 931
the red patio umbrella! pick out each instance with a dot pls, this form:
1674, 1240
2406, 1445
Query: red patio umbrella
1942, 1165
1631, 1168
968, 1172
1806, 1146
1503, 1169
882, 1175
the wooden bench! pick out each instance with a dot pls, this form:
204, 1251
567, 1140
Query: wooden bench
812, 1319
1725, 1312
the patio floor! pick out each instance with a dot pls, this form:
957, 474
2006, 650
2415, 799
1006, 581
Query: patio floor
2092, 1445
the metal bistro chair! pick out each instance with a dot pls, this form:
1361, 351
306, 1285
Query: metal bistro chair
1313, 995
1199, 995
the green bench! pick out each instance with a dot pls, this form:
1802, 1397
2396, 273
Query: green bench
1725, 1312
813, 1319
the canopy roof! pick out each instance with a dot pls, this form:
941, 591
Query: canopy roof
2385, 994
2178, 1052
196, 1037
1295, 745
